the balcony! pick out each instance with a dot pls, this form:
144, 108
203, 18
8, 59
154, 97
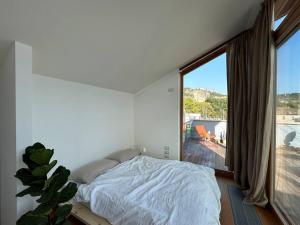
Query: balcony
205, 143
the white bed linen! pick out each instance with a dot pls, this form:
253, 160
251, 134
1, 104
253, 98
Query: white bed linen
149, 191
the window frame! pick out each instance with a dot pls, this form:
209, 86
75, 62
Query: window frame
290, 24
281, 35
286, 29
275, 207
194, 64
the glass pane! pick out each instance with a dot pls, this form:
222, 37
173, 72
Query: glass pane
205, 112
278, 22
281, 10
287, 164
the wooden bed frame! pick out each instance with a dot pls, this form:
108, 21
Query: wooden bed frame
84, 215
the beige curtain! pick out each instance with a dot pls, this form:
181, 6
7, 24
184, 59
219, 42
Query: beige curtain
250, 103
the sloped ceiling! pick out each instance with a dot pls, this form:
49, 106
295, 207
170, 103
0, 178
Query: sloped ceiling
119, 44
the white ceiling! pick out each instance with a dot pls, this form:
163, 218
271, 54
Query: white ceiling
119, 44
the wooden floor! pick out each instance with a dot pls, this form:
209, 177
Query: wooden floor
205, 153
226, 217
287, 181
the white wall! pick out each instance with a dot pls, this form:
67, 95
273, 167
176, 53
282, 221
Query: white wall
7, 138
15, 132
23, 68
82, 123
157, 117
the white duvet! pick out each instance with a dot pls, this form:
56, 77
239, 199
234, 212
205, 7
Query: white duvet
149, 191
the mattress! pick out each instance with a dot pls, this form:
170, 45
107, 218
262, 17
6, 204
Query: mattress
149, 191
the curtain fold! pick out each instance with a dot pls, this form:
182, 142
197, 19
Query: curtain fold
250, 106
238, 82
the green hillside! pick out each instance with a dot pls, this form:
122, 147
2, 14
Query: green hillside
207, 103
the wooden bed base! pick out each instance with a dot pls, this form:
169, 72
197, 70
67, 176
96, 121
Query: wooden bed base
84, 215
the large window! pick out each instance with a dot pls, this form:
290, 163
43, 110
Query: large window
205, 114
287, 153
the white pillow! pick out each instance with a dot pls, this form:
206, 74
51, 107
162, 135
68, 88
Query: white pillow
124, 155
89, 172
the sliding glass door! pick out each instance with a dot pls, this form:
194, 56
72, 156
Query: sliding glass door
205, 114
286, 185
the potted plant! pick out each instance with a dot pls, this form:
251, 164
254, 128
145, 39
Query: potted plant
52, 192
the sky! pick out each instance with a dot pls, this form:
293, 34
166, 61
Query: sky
288, 65
278, 22
212, 75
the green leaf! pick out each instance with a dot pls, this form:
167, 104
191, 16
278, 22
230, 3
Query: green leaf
27, 179
61, 170
54, 183
43, 209
42, 171
62, 212
28, 151
26, 159
33, 191
49, 180
33, 147
41, 156
47, 196
30, 219
59, 181
38, 145
25, 176
67, 192
40, 182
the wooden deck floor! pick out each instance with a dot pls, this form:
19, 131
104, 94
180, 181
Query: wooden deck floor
287, 182
205, 153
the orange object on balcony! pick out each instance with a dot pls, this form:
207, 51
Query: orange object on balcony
201, 131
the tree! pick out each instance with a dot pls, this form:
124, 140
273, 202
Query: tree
189, 105
205, 109
213, 107
219, 105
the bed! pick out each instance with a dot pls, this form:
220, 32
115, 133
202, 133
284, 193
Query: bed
150, 191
